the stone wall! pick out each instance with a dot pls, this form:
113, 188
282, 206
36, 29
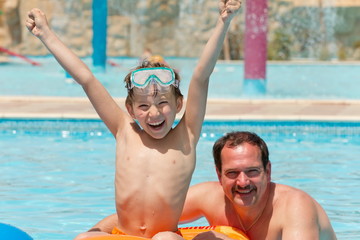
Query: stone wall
172, 28
167, 27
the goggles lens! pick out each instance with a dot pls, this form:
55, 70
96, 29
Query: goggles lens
142, 77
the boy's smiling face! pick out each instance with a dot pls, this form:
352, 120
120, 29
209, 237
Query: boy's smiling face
155, 112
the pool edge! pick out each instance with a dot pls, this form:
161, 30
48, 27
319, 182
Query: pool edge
217, 109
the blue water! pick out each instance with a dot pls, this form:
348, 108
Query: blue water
291, 81
57, 175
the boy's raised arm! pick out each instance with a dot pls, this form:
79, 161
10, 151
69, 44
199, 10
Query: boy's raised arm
103, 103
198, 89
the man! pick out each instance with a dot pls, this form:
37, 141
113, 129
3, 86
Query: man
246, 198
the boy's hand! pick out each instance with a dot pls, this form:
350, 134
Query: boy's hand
36, 22
228, 8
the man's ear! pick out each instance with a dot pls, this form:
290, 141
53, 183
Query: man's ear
130, 110
268, 171
179, 104
218, 175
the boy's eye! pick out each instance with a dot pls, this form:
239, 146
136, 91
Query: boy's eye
143, 106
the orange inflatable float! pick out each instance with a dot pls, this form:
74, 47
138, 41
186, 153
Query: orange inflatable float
187, 232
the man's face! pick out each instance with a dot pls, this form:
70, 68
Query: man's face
243, 177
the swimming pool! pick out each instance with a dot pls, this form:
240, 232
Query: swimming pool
57, 175
284, 80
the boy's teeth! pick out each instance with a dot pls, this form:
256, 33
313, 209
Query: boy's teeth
155, 124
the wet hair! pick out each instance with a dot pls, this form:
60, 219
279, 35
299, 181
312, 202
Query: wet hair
234, 139
150, 64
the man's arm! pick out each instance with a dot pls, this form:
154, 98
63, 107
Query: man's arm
102, 228
196, 206
103, 103
200, 201
191, 210
198, 89
106, 225
305, 218
212, 235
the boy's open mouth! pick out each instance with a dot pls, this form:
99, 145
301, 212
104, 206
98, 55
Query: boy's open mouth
156, 125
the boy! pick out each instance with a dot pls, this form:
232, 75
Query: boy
154, 162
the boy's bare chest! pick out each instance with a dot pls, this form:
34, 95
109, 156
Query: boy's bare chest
163, 170
140, 147
156, 156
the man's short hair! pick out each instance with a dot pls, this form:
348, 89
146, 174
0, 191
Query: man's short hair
234, 139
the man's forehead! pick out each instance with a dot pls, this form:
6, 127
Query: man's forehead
244, 151
242, 148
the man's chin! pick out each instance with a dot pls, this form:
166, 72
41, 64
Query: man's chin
244, 198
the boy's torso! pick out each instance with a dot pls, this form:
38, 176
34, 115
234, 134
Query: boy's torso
152, 179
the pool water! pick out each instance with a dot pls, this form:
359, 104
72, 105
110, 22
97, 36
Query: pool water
57, 175
284, 80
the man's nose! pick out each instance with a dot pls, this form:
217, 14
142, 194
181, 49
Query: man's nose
242, 180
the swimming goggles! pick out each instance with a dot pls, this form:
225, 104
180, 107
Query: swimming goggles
147, 80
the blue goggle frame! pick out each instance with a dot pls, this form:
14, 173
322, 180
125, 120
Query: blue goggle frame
142, 77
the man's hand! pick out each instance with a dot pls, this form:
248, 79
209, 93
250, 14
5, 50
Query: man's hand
211, 235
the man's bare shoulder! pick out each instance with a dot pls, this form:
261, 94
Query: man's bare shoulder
284, 193
295, 209
295, 204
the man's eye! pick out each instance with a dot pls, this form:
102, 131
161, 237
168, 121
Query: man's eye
253, 173
232, 174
